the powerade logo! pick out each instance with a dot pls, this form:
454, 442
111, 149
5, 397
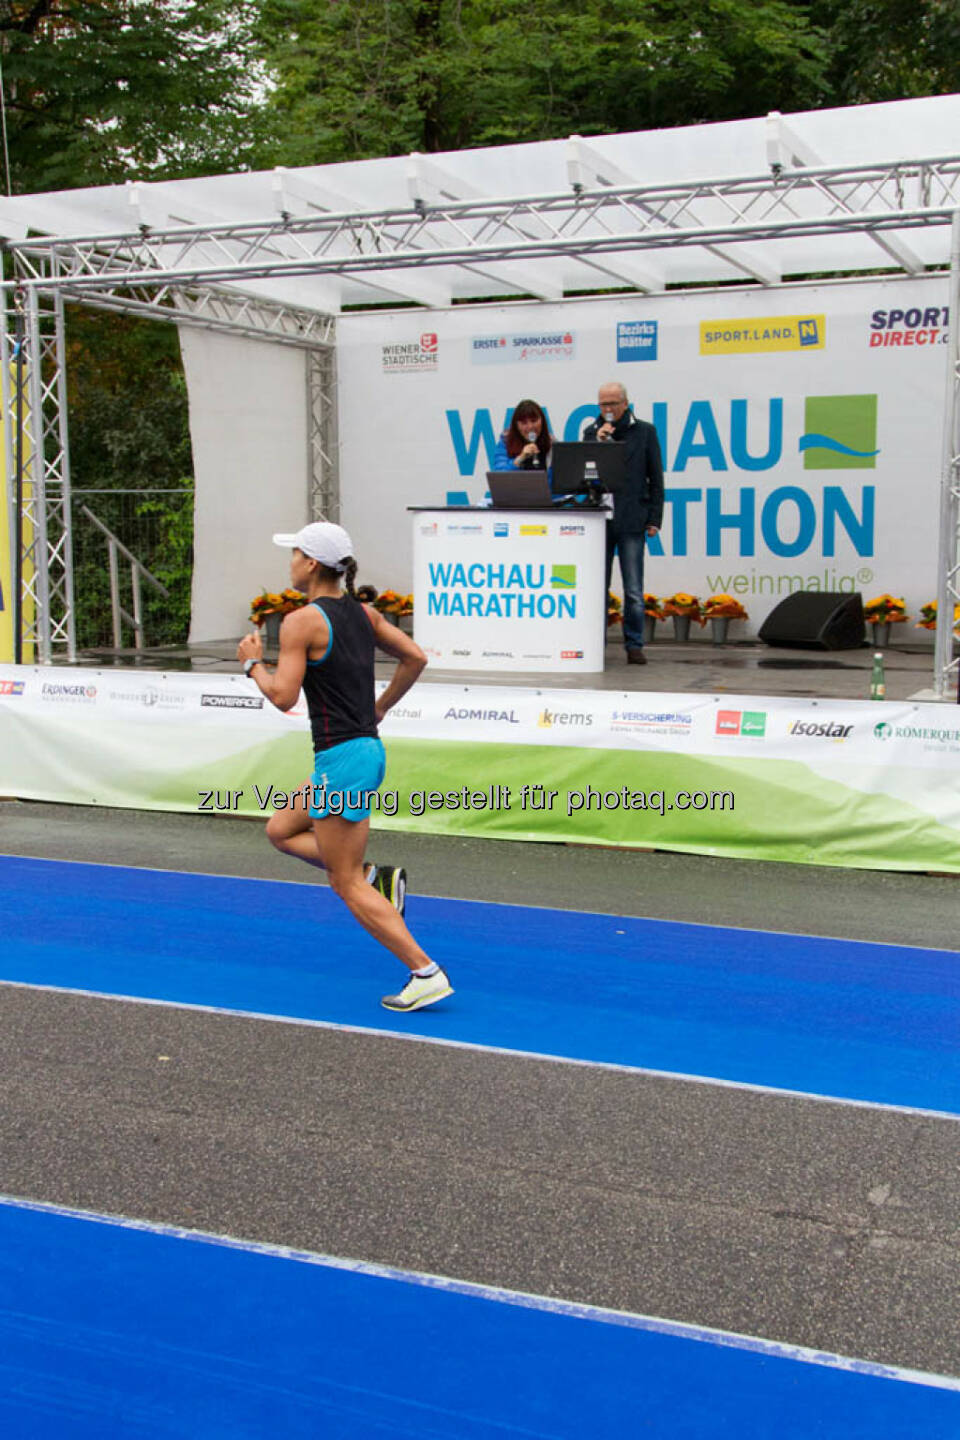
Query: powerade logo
636, 340
841, 432
703, 439
762, 335
744, 723
504, 592
909, 328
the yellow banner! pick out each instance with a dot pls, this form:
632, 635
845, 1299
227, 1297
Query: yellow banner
7, 557
763, 334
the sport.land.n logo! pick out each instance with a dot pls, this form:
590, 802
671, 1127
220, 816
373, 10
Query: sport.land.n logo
840, 432
563, 577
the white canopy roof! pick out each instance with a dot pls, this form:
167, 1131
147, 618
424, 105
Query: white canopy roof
821, 191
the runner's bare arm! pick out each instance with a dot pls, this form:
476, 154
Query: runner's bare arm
412, 661
300, 631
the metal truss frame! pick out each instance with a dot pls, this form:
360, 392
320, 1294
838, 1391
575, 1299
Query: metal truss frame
172, 271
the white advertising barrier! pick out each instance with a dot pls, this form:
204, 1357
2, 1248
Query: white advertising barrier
801, 428
826, 782
510, 590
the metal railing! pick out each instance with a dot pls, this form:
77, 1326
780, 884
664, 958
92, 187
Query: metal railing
116, 548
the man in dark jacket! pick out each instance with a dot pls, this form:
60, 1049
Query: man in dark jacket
637, 509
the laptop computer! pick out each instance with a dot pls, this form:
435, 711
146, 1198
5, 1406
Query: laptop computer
519, 490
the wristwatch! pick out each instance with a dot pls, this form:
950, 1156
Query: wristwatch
249, 664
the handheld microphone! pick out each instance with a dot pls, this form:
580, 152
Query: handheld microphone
532, 440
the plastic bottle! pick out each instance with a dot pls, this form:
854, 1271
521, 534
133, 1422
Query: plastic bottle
878, 684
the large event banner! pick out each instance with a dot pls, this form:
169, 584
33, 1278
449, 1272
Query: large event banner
828, 782
801, 427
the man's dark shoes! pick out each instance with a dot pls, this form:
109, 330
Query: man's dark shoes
636, 657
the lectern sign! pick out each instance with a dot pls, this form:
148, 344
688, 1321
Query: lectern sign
528, 600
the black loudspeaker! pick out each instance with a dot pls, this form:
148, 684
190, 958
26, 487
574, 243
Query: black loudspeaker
812, 620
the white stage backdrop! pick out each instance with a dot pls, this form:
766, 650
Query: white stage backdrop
801, 428
248, 425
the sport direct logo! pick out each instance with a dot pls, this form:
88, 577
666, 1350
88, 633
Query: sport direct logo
909, 327
423, 354
825, 729
11, 687
745, 723
548, 718
233, 702
573, 529
522, 347
505, 717
762, 335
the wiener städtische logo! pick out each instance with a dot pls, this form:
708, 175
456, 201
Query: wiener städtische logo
840, 432
763, 334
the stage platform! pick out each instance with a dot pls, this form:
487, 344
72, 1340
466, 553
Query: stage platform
697, 667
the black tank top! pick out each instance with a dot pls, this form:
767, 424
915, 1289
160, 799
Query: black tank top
339, 687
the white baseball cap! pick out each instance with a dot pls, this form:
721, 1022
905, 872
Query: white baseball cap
323, 541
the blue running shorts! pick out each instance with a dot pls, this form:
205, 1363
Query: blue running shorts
344, 778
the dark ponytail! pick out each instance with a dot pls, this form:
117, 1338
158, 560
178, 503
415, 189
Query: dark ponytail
349, 577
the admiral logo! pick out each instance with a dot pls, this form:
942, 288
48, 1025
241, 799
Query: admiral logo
571, 654
745, 723
636, 340
573, 529
762, 335
12, 687
498, 654
820, 729
500, 529
233, 702
68, 693
505, 717
548, 718
533, 529
909, 328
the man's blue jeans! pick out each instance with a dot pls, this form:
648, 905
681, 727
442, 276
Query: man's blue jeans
629, 549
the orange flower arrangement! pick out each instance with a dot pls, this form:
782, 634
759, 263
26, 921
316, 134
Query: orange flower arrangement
928, 617
268, 602
684, 604
724, 607
883, 610
614, 609
388, 602
652, 606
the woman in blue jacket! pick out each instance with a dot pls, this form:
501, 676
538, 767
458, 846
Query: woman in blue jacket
526, 443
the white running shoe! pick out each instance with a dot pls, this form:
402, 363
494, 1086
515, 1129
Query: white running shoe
419, 990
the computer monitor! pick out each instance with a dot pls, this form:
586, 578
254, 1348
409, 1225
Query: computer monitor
570, 461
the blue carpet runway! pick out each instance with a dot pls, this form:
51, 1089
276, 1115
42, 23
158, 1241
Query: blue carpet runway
112, 1328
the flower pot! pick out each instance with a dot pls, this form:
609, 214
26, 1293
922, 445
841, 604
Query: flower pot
681, 627
649, 629
881, 634
720, 626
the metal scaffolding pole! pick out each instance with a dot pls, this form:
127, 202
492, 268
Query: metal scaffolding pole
948, 591
323, 451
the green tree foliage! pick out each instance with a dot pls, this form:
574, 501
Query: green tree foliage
99, 90
377, 77
891, 49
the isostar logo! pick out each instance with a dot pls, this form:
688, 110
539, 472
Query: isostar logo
499, 717
762, 334
636, 340
233, 702
11, 687
548, 718
563, 577
523, 347
533, 529
744, 723
909, 328
500, 529
422, 354
840, 432
820, 729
